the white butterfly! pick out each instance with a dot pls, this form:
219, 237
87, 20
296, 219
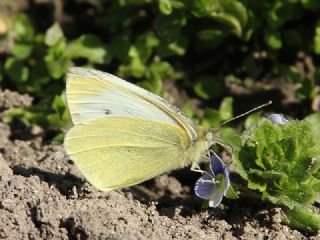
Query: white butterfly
123, 134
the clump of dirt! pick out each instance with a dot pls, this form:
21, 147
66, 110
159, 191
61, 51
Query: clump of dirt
10, 99
43, 195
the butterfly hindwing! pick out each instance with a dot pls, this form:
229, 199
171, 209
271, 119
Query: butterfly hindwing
119, 152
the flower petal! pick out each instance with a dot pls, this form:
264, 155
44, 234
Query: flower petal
204, 187
217, 165
216, 198
214, 184
227, 181
277, 118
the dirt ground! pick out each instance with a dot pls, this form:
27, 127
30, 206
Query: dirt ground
43, 196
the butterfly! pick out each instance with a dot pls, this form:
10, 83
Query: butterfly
124, 135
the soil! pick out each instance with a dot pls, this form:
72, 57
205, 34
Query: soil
43, 196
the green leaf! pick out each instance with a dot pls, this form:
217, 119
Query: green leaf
21, 50
188, 110
212, 36
316, 39
236, 16
306, 90
59, 138
165, 6
311, 4
23, 28
56, 60
273, 40
53, 35
314, 120
162, 69
211, 118
274, 18
156, 74
231, 193
252, 120
57, 68
61, 115
203, 8
230, 13
304, 218
89, 47
226, 108
139, 54
171, 38
16, 70
27, 116
137, 68
140, 51
291, 74
177, 47
230, 136
39, 74
209, 87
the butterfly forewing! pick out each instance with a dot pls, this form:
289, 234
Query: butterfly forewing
93, 94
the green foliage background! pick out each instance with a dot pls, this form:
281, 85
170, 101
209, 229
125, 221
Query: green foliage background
201, 44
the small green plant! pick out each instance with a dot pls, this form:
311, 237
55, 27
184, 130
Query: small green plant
282, 162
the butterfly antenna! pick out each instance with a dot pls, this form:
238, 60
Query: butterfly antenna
246, 113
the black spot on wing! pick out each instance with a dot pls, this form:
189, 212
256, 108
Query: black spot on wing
107, 111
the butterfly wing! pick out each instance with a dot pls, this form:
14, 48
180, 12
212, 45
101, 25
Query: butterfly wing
93, 94
120, 151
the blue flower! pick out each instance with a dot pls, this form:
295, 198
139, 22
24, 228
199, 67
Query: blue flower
214, 184
277, 118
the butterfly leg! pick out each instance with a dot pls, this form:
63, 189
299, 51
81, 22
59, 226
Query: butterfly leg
196, 168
